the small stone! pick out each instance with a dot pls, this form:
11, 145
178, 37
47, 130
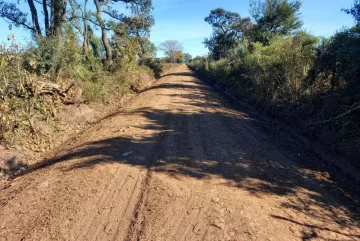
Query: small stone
125, 154
44, 185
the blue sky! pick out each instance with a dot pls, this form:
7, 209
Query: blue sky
183, 20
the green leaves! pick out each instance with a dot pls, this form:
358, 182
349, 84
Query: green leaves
274, 17
228, 31
11, 12
355, 11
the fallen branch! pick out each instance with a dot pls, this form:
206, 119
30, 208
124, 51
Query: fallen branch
52, 89
337, 117
48, 88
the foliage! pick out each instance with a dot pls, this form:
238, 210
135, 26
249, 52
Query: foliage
125, 51
228, 30
148, 49
179, 57
272, 73
337, 60
279, 69
274, 17
355, 11
19, 103
16, 16
154, 64
68, 53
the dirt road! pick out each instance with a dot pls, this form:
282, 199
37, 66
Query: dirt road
199, 169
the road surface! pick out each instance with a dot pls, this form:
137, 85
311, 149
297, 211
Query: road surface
199, 169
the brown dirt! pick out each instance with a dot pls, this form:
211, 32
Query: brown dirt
200, 169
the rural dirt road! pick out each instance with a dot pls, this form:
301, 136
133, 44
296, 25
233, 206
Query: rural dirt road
199, 169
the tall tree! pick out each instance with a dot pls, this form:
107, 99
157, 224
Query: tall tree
99, 9
58, 12
137, 25
34, 17
79, 19
274, 17
171, 49
139, 8
148, 49
228, 31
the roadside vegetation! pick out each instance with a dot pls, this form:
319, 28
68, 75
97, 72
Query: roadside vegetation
79, 51
311, 82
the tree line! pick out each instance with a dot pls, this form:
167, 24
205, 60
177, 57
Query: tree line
83, 17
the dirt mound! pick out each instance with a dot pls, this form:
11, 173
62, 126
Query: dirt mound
77, 113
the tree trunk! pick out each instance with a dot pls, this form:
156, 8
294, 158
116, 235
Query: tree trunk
333, 77
58, 11
46, 18
104, 37
34, 17
86, 29
142, 53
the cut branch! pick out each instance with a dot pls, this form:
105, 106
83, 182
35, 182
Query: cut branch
337, 117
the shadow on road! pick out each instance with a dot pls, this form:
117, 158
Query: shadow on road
178, 74
205, 138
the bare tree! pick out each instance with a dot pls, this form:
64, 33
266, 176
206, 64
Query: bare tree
171, 48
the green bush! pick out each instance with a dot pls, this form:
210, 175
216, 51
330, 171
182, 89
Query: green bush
154, 64
279, 69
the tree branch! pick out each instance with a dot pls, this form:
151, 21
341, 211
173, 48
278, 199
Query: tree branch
337, 117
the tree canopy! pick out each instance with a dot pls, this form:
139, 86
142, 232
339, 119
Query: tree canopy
274, 17
228, 29
355, 11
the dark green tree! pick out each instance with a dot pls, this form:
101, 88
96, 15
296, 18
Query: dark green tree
355, 11
228, 31
274, 17
139, 25
338, 58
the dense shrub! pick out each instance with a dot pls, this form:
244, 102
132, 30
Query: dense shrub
154, 64
269, 72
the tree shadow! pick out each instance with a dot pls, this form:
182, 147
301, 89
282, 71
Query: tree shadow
179, 74
311, 232
168, 86
202, 134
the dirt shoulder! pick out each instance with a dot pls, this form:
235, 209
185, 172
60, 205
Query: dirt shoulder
179, 162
